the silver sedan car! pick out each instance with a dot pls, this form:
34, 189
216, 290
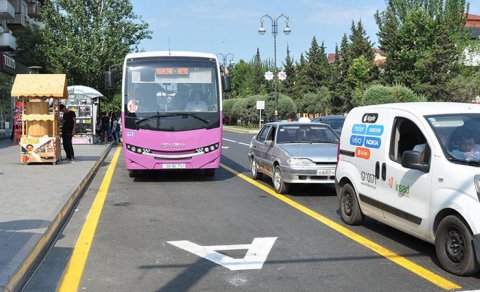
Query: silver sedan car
291, 152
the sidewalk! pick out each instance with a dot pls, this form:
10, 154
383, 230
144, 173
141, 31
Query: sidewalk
35, 201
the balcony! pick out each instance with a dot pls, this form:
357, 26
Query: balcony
21, 10
7, 10
7, 42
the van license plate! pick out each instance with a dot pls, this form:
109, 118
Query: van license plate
173, 165
326, 172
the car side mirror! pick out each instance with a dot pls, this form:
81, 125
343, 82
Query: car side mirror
268, 142
412, 159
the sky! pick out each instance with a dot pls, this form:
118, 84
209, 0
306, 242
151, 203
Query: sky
230, 27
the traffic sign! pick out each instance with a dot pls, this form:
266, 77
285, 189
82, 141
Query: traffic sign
260, 104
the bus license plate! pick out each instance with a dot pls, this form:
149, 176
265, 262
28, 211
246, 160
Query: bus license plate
326, 172
173, 165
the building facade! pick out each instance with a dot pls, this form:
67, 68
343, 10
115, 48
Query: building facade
13, 14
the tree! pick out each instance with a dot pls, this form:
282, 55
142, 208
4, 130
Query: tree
379, 94
258, 83
29, 41
315, 103
83, 38
360, 44
289, 83
242, 79
423, 41
343, 89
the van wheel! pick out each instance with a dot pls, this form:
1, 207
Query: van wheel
279, 185
349, 207
454, 247
254, 169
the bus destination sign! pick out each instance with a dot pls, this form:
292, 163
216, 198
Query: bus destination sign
172, 71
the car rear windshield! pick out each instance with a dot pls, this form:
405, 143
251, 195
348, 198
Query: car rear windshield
305, 134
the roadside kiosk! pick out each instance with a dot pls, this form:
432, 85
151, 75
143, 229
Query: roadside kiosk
40, 139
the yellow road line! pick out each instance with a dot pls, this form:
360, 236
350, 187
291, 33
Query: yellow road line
73, 273
388, 254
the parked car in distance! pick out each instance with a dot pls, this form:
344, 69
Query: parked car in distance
294, 152
334, 121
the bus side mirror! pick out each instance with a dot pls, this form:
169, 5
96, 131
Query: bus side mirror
109, 79
226, 83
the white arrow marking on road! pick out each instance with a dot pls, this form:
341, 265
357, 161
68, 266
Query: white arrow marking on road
256, 255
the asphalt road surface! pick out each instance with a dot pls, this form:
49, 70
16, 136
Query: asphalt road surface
181, 231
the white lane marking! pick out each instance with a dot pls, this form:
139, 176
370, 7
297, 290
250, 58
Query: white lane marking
225, 147
256, 255
233, 141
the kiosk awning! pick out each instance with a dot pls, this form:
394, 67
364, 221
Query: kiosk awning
40, 85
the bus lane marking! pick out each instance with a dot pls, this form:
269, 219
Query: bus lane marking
254, 259
74, 270
388, 254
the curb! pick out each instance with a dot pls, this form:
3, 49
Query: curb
18, 280
240, 131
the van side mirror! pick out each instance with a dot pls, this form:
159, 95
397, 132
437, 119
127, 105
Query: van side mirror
226, 83
109, 79
412, 159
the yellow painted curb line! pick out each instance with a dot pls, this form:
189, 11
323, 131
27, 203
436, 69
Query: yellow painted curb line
73, 273
388, 254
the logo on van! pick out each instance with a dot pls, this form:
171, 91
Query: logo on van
363, 153
375, 130
356, 140
359, 129
403, 190
369, 118
373, 142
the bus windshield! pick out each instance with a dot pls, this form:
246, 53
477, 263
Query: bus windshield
171, 94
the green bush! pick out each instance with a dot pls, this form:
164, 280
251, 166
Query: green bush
380, 94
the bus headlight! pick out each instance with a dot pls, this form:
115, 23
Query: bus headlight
209, 148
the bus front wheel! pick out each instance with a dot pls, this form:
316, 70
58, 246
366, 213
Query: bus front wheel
133, 173
210, 172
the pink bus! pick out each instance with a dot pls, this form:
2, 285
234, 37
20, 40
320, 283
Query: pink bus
172, 111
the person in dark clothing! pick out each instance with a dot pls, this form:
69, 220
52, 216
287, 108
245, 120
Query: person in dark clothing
68, 130
106, 129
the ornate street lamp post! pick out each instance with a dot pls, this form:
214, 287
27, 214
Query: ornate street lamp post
225, 58
286, 31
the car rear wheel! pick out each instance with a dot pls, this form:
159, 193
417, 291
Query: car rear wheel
454, 247
349, 207
280, 186
254, 169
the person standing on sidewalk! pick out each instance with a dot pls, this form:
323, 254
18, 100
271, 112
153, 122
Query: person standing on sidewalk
115, 129
68, 130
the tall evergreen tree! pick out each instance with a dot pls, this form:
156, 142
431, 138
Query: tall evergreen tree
360, 44
289, 82
258, 82
317, 70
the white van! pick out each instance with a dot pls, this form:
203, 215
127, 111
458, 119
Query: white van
416, 167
